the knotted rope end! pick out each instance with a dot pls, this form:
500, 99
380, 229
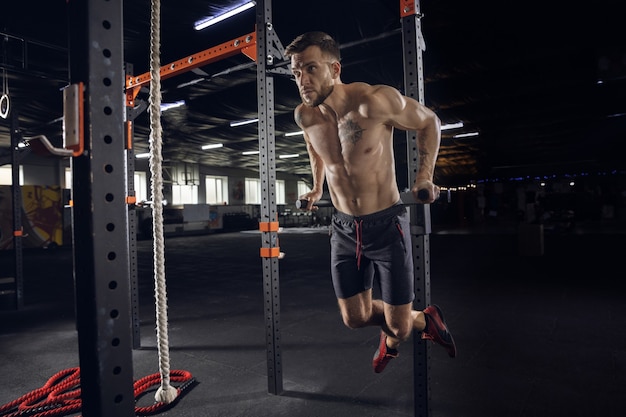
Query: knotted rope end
166, 395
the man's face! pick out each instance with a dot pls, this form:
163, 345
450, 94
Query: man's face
315, 75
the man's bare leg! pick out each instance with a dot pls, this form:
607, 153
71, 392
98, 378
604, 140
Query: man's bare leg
396, 321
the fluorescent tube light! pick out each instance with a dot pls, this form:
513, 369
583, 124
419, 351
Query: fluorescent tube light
168, 106
292, 155
144, 155
201, 24
465, 135
243, 122
250, 153
212, 146
301, 132
451, 126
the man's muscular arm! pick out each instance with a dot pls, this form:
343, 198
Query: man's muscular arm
408, 114
317, 166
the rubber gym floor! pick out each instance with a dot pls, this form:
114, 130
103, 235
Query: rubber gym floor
536, 335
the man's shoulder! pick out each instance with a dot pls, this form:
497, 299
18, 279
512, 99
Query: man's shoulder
305, 116
364, 92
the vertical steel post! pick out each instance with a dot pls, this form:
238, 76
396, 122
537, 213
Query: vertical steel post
18, 260
132, 249
269, 213
413, 45
132, 223
100, 230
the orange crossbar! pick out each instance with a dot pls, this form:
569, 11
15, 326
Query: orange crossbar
245, 44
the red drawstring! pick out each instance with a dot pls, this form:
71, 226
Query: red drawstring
359, 241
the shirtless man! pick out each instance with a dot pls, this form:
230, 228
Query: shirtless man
348, 129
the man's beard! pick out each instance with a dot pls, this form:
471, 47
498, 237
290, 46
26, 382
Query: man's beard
326, 91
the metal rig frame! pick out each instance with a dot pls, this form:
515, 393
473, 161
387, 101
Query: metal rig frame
102, 249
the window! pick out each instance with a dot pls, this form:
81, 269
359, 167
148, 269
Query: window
184, 194
253, 191
141, 186
216, 189
6, 175
280, 192
68, 178
303, 188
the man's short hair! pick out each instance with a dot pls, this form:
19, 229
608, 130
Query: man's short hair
324, 41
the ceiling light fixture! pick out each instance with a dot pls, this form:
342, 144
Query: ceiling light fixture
451, 126
204, 23
212, 146
292, 155
243, 122
168, 106
250, 153
301, 132
144, 155
465, 135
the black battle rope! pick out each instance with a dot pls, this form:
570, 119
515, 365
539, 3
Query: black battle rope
60, 395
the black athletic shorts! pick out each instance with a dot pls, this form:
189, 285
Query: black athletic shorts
374, 246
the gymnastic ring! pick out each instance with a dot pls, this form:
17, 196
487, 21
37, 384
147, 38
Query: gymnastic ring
4, 106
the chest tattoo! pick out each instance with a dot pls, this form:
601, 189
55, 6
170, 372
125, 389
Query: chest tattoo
350, 130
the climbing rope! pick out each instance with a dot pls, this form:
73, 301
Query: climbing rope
60, 395
166, 393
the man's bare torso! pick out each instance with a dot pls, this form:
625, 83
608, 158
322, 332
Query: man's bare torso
356, 147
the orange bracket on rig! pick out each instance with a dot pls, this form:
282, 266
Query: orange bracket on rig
407, 8
270, 252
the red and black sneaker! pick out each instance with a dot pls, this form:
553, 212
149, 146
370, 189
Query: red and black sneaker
383, 354
437, 331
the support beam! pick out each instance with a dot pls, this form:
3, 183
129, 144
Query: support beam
413, 45
100, 239
266, 41
16, 138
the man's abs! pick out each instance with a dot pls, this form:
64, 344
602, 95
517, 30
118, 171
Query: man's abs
361, 195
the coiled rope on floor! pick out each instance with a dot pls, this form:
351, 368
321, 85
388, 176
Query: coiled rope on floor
60, 395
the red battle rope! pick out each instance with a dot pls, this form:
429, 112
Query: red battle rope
60, 396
